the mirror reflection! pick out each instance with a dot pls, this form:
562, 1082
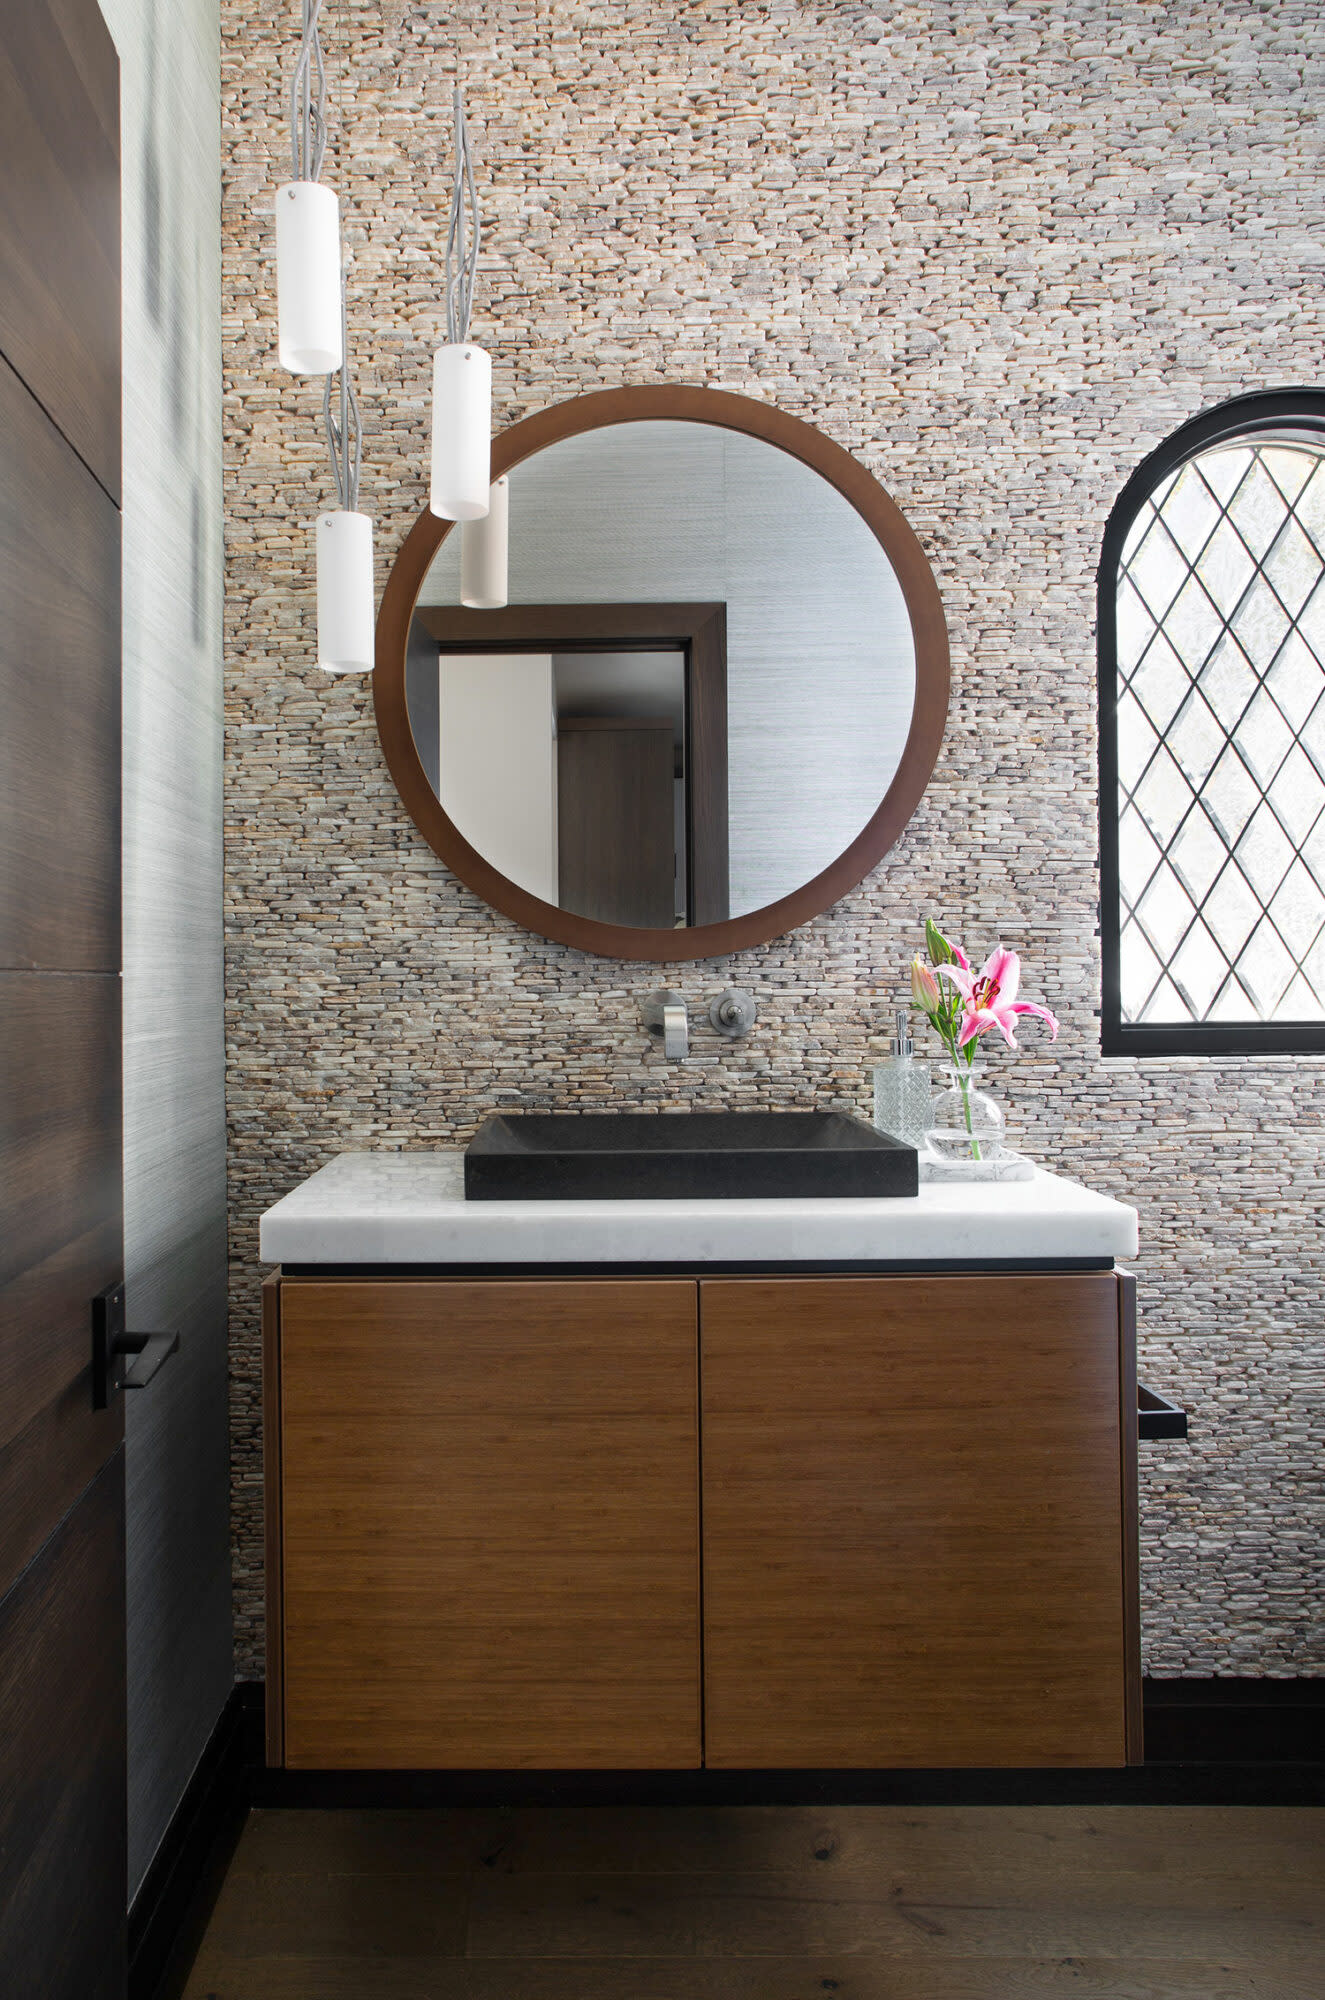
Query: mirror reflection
697, 693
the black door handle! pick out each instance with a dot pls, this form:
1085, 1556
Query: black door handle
122, 1360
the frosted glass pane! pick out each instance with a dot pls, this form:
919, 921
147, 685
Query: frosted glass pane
1222, 848
1163, 796
1199, 969
1190, 511
1231, 910
1293, 567
1197, 854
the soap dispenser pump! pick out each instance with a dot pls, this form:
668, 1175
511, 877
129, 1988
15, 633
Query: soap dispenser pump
902, 1095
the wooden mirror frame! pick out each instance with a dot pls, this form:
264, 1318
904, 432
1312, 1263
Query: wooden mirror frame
602, 409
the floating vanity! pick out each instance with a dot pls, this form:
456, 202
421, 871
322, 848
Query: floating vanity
819, 1484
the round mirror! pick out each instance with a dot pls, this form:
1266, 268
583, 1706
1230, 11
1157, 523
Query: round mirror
712, 697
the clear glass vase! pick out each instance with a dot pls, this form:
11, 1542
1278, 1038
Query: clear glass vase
967, 1123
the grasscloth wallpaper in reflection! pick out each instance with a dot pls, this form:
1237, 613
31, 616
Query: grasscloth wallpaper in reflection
997, 255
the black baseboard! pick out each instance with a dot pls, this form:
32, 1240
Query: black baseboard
1235, 1721
170, 1911
1208, 1742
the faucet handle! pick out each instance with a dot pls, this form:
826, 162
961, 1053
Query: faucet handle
733, 1013
664, 1013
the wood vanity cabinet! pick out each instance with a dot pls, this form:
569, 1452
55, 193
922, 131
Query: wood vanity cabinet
917, 1504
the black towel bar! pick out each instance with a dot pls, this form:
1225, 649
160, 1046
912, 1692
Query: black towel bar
1156, 1417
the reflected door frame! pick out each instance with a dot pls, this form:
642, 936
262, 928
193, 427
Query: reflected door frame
700, 630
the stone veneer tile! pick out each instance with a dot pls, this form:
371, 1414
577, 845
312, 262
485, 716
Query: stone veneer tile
999, 254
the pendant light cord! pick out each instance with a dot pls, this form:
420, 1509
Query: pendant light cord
342, 425
308, 101
462, 234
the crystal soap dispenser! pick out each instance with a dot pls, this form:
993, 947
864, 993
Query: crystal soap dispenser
902, 1099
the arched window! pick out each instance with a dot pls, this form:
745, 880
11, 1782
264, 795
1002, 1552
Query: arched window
1212, 737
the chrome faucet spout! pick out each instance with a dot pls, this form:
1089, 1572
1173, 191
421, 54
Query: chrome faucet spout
664, 1014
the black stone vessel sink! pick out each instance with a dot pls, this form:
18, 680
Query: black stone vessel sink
682, 1156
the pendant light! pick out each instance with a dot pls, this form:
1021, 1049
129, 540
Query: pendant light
483, 549
461, 372
308, 259
344, 538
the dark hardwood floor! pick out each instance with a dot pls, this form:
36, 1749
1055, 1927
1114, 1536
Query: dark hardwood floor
780, 1903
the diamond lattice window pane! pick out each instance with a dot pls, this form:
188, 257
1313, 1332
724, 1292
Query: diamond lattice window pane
1189, 510
1261, 623
1231, 910
1138, 855
1296, 680
1298, 911
1293, 567
1140, 970
1311, 622
1297, 795
1195, 740
1264, 853
1257, 510
1199, 969
1225, 568
1310, 505
1265, 968
1158, 569
1163, 796
1137, 741
1228, 682
1165, 913
1230, 795
1225, 469
1289, 468
1222, 784
1264, 739
1160, 683
1193, 625
1197, 855
1136, 627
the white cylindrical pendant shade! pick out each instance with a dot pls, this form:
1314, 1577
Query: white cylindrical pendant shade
461, 432
345, 593
308, 278
483, 546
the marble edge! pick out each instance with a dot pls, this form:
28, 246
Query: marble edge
318, 1224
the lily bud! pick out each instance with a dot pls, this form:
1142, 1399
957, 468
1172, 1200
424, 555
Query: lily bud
924, 987
938, 947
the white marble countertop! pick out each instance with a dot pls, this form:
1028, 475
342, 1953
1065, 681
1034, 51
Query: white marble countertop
410, 1208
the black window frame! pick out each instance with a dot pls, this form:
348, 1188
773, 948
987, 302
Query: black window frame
1282, 412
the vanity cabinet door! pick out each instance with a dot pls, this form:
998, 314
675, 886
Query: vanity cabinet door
490, 1524
913, 1521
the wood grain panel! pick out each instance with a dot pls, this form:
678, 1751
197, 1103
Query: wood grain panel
62, 1833
60, 679
616, 819
60, 221
273, 1540
490, 1521
912, 1522
60, 1242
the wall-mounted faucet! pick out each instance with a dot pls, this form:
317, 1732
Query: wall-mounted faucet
664, 1014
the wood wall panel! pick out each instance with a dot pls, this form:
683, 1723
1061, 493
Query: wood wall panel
490, 1524
913, 1522
62, 1833
60, 671
60, 220
60, 1241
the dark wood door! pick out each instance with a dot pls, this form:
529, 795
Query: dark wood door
489, 1524
914, 1531
62, 1697
616, 820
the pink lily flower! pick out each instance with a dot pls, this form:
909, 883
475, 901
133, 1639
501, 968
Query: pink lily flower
990, 997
